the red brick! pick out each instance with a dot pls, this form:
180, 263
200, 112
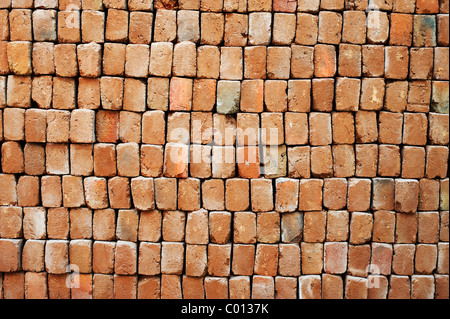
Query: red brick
278, 62
389, 160
219, 260
335, 193
150, 226
216, 288
104, 225
332, 287
80, 223
127, 225
413, 164
125, 258
406, 195
325, 64
220, 227
312, 258
213, 195
193, 288
189, 194
239, 287
33, 256
243, 259
166, 194
426, 259
208, 62
337, 226
57, 256
197, 228
307, 29
442, 286
361, 227
422, 287
330, 26
113, 59
173, 226
51, 191
356, 288
310, 287
310, 195
103, 286
244, 228
34, 223
149, 259
335, 258
437, 162
400, 287
170, 287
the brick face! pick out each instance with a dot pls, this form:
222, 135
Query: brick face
274, 149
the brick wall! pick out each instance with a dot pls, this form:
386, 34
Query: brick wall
224, 149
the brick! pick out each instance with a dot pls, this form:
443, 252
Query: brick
401, 29
359, 260
310, 287
441, 286
57, 159
354, 27
173, 226
361, 227
422, 287
236, 29
373, 93
335, 258
442, 264
396, 96
261, 195
338, 226
51, 191
266, 260
310, 195
104, 225
302, 61
373, 60
149, 258
377, 27
308, 6
196, 260
92, 26
193, 287
212, 27
400, 287
330, 26
252, 96
127, 225
33, 255
343, 158
113, 61
424, 34
134, 53
390, 128
419, 96
440, 95
263, 287
321, 161
64, 92
20, 25
219, 260
11, 218
34, 223
428, 195
216, 288
140, 28
28, 191
332, 287
18, 91
299, 95
436, 166
95, 193
307, 29
406, 195
299, 162
80, 255
426, 259
356, 288
34, 156
284, 27
413, 164
428, 227
231, 67
439, 72
350, 60
165, 194
228, 96
255, 61
381, 259
347, 94
243, 259
208, 62
220, 227
335, 193
80, 223
268, 226
89, 59
323, 94
320, 130
312, 258
12, 158
389, 160
260, 28
56, 256
69, 27
125, 258
443, 34
184, 59
103, 286
314, 227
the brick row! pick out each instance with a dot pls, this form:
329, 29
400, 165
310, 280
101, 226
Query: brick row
69, 24
37, 285
185, 59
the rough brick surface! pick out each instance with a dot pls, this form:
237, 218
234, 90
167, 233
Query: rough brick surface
224, 149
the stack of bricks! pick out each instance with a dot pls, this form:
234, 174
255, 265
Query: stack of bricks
224, 149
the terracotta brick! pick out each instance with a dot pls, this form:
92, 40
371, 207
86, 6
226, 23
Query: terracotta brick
443, 33
237, 195
64, 92
103, 286
314, 227
310, 287
307, 29
213, 194
335, 258
80, 223
320, 130
373, 92
105, 160
396, 96
441, 286
125, 258
134, 53
442, 264
440, 72
220, 227
312, 258
347, 94
173, 226
325, 64
389, 160
361, 227
338, 226
321, 161
260, 28
80, 254
33, 255
193, 287
166, 193
204, 95
400, 287
332, 287
243, 259
266, 260
310, 195
34, 223
51, 191
12, 158
170, 287
11, 218
57, 288
216, 288
104, 225
403, 259
406, 195
140, 28
284, 27
14, 127
263, 287
424, 31
113, 62
127, 225
20, 25
354, 27
422, 287
69, 26
149, 259
302, 61
426, 259
436, 166
330, 26
219, 260
196, 260
428, 195
261, 195
373, 60
116, 26
92, 26
34, 156
208, 62
56, 256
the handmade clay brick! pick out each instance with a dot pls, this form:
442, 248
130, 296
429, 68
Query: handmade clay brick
244, 228
437, 157
220, 227
366, 127
347, 94
149, 259
330, 25
165, 193
373, 92
189, 194
219, 260
261, 195
130, 127
312, 258
212, 28
335, 257
128, 159
359, 260
135, 53
289, 264
422, 287
284, 27
335, 193
268, 226
361, 226
428, 195
236, 29
266, 260
173, 226
140, 28
307, 29
193, 287
104, 225
228, 97
285, 288
310, 195
377, 27
441, 286
57, 159
12, 158
373, 60
354, 27
57, 256
310, 287
125, 258
321, 161
389, 161
69, 26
